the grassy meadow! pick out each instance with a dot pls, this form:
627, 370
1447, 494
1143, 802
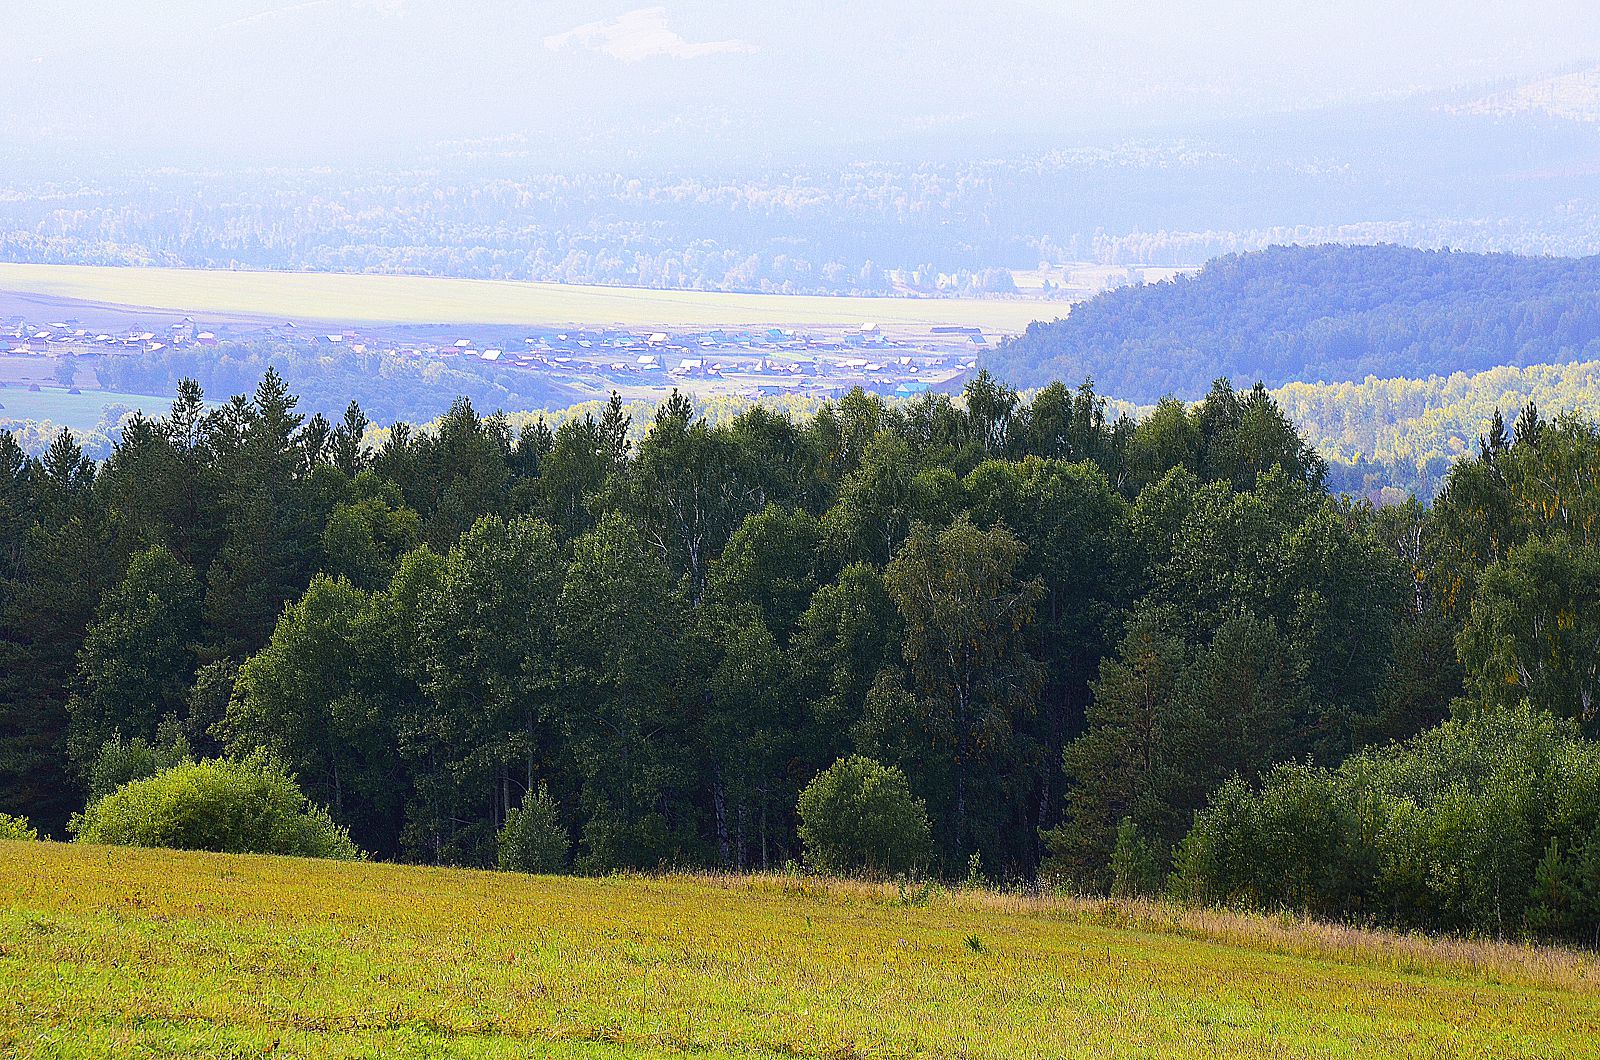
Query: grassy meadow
139, 953
431, 300
81, 412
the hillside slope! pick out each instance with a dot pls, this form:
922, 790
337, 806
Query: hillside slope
157, 953
1325, 313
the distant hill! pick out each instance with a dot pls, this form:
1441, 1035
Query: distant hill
1573, 96
1323, 313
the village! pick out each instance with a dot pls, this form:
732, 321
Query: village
816, 361
771, 361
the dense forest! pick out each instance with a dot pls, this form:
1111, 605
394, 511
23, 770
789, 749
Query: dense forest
1065, 632
1319, 314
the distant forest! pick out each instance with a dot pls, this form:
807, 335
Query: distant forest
1325, 313
867, 227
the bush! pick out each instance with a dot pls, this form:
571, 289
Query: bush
534, 839
16, 829
1489, 823
859, 816
240, 807
1296, 843
120, 761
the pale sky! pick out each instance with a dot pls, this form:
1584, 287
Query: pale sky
343, 79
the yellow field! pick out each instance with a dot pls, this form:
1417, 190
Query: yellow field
134, 953
430, 300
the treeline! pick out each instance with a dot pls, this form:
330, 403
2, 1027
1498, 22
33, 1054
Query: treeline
1327, 313
1381, 438
1064, 631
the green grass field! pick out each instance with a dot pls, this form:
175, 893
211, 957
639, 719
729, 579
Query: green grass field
81, 412
132, 953
429, 300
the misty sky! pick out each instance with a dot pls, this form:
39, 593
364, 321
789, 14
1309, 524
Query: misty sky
556, 81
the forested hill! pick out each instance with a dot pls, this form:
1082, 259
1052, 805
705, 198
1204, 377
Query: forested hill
1330, 313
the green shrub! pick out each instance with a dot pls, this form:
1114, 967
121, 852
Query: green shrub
16, 829
1298, 842
1489, 823
244, 807
120, 761
534, 839
858, 816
